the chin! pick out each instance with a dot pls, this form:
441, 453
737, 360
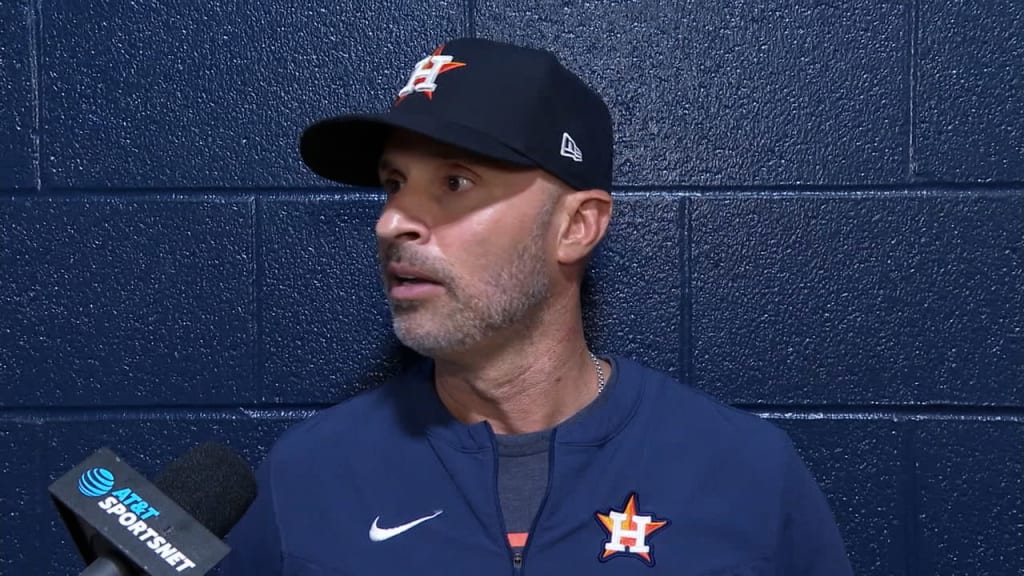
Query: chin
422, 340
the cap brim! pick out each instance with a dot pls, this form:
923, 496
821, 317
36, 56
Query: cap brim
347, 149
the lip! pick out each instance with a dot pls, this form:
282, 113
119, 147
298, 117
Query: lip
418, 291
394, 270
425, 286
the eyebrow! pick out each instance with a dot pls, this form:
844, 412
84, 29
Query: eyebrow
446, 155
457, 156
384, 165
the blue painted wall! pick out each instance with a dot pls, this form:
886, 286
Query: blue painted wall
820, 218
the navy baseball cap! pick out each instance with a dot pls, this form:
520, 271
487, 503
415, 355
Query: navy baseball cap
509, 103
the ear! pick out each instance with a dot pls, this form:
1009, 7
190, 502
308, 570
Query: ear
587, 213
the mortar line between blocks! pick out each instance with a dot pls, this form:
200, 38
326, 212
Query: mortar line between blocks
35, 49
912, 71
257, 295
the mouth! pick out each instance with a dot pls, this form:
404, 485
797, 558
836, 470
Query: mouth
406, 279
405, 282
400, 274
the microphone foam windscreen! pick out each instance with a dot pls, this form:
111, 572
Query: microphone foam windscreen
212, 483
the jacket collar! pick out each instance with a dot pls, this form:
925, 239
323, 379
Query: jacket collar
594, 425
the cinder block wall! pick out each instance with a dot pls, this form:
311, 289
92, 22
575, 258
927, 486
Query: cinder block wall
820, 218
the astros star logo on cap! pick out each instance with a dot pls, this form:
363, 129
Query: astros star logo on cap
628, 532
424, 75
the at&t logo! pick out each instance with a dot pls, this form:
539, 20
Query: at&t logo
96, 482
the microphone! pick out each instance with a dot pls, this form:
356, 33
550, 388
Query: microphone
123, 525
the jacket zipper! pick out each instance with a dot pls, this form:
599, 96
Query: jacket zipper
540, 509
518, 558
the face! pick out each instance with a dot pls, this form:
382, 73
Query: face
464, 245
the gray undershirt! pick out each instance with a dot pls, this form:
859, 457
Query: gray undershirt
522, 477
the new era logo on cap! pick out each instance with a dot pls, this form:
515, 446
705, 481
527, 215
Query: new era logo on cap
509, 103
570, 149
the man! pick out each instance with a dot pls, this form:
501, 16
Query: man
512, 447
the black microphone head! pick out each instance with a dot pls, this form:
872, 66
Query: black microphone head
212, 483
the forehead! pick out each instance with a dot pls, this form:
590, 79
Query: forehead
404, 142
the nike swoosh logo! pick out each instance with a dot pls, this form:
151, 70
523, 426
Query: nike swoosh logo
378, 534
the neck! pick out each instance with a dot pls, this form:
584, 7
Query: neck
527, 383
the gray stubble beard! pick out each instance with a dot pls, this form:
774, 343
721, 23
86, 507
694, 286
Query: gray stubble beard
513, 297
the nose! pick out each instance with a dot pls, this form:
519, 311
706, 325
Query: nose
400, 220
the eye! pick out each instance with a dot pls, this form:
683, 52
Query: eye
458, 183
390, 185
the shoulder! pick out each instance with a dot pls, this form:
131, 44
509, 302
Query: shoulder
678, 412
363, 423
741, 459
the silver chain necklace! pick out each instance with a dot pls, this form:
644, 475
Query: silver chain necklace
600, 373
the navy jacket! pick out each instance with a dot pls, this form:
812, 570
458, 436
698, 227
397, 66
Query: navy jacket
658, 479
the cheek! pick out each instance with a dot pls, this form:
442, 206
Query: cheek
480, 246
480, 240
473, 254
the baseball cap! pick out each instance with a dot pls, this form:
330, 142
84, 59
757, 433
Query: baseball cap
504, 102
